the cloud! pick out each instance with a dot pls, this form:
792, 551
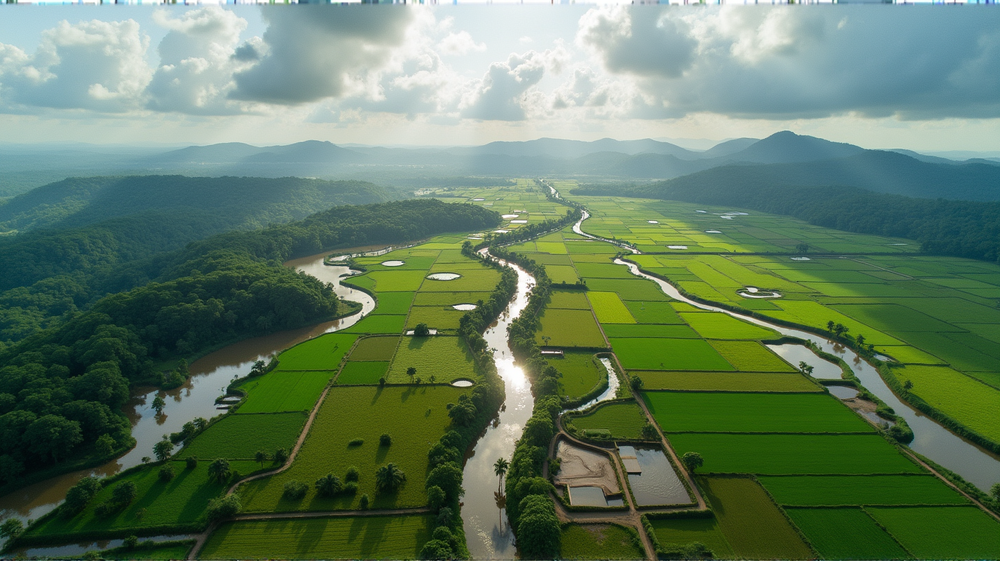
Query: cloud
503, 93
460, 43
315, 53
786, 63
198, 57
94, 65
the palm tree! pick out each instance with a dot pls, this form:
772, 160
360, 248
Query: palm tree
218, 470
500, 468
389, 478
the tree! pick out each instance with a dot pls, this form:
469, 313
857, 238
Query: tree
280, 456
649, 432
124, 493
500, 468
219, 470
802, 248
260, 457
130, 542
840, 329
364, 501
861, 341
159, 404
995, 492
436, 497
411, 372
329, 486
805, 368
191, 462
11, 529
636, 383
295, 490
692, 461
421, 330
104, 445
224, 507
79, 495
52, 436
448, 477
167, 473
830, 325
385, 439
389, 478
162, 449
908, 385
538, 531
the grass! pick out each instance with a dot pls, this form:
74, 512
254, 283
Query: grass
682, 531
654, 312
962, 532
650, 330
179, 501
637, 353
322, 353
751, 356
241, 436
283, 391
415, 417
394, 303
376, 349
621, 420
753, 526
579, 372
609, 308
436, 317
965, 399
568, 299
362, 373
562, 273
445, 358
726, 381
722, 326
397, 281
752, 412
600, 541
377, 537
376, 324
777, 454
845, 533
568, 328
837, 490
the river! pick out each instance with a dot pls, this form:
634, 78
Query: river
210, 375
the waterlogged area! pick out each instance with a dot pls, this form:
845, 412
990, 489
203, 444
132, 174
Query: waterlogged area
210, 375
74, 550
487, 532
652, 478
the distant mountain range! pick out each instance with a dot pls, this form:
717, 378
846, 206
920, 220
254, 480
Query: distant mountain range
783, 158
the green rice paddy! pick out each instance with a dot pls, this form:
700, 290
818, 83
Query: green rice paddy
960, 532
840, 490
751, 356
362, 373
727, 381
227, 438
683, 531
283, 391
569, 328
620, 419
377, 349
609, 308
845, 533
968, 401
580, 373
600, 541
638, 353
445, 358
322, 353
722, 326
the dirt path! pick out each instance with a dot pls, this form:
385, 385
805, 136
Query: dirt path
941, 476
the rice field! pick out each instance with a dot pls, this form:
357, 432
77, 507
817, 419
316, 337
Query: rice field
722, 326
568, 328
752, 412
845, 533
600, 541
569, 299
442, 318
968, 401
374, 349
378, 324
228, 437
279, 391
393, 303
806, 454
622, 420
753, 526
653, 312
580, 373
362, 373
322, 353
639, 353
623, 330
683, 531
445, 358
726, 381
609, 308
960, 532
371, 537
841, 490
751, 356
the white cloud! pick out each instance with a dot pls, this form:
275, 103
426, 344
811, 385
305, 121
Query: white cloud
460, 43
506, 92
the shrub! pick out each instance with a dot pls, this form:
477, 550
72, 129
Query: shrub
130, 542
363, 502
280, 456
356, 442
224, 507
385, 439
329, 486
192, 462
124, 493
352, 474
11, 529
436, 497
437, 549
295, 490
79, 495
693, 550
166, 473
692, 461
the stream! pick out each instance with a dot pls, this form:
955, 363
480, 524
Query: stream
210, 375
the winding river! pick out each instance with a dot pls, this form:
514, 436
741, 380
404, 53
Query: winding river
210, 375
976, 465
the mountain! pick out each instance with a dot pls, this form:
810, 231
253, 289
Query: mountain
729, 147
787, 147
571, 149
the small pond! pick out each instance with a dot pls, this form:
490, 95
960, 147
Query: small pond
464, 307
393, 263
583, 468
592, 496
677, 247
656, 483
443, 276
843, 392
653, 221
430, 331
509, 216
500, 231
754, 292
478, 200
518, 221
712, 232
801, 259
726, 217
702, 211
794, 354
462, 383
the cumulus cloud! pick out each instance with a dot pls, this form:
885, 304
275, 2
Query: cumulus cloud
787, 63
502, 94
93, 65
315, 53
198, 57
460, 43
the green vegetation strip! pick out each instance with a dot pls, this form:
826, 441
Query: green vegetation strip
752, 412
845, 533
241, 436
283, 391
637, 353
381, 537
621, 420
600, 541
836, 490
374, 349
776, 454
943, 532
322, 353
726, 381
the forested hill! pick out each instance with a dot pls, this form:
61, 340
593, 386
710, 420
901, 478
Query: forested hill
235, 202
61, 390
959, 228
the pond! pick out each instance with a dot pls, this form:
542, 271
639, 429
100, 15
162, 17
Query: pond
443, 276
585, 469
843, 392
393, 263
464, 307
586, 495
656, 482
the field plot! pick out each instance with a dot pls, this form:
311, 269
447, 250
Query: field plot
845, 533
751, 356
968, 401
283, 391
638, 353
397, 281
579, 372
376, 349
179, 501
378, 324
960, 532
621, 420
375, 537
777, 454
478, 279
752, 412
568, 328
893, 318
752, 524
654, 312
609, 308
166, 550
838, 490
562, 274
442, 318
362, 373
449, 298
322, 353
630, 290
241, 436
682, 531
726, 381
722, 326
649, 330
574, 300
445, 358
393, 303
415, 417
600, 541
604, 270
910, 355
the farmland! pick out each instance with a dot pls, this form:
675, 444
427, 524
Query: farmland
362, 373
838, 490
726, 381
621, 419
845, 533
609, 308
939, 532
569, 328
373, 537
580, 373
445, 358
227, 438
321, 353
283, 391
600, 541
682, 531
639, 353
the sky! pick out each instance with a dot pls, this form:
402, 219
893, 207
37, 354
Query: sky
918, 77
